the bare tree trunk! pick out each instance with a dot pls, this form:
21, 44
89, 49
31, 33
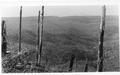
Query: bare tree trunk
41, 35
19, 64
71, 62
100, 51
20, 26
86, 66
4, 40
38, 39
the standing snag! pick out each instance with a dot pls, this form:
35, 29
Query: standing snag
41, 35
86, 65
38, 39
19, 65
20, 26
101, 39
4, 40
71, 62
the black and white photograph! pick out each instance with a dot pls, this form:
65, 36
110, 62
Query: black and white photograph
57, 39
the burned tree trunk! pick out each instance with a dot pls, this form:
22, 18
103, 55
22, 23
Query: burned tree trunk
20, 26
101, 39
19, 65
38, 39
41, 36
86, 66
71, 62
4, 40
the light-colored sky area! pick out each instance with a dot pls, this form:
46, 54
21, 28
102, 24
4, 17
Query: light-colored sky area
13, 11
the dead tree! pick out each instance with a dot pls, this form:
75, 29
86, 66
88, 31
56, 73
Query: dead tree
101, 39
20, 26
86, 65
71, 62
19, 65
4, 40
41, 36
38, 39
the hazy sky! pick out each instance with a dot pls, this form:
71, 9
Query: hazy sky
13, 11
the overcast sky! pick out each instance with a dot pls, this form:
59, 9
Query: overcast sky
13, 11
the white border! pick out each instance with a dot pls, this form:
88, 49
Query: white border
57, 3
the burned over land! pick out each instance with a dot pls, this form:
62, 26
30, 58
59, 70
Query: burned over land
64, 36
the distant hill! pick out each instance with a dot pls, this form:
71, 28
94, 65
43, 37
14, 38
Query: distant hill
84, 25
70, 27
61, 24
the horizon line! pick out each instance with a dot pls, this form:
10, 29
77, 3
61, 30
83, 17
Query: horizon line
56, 16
